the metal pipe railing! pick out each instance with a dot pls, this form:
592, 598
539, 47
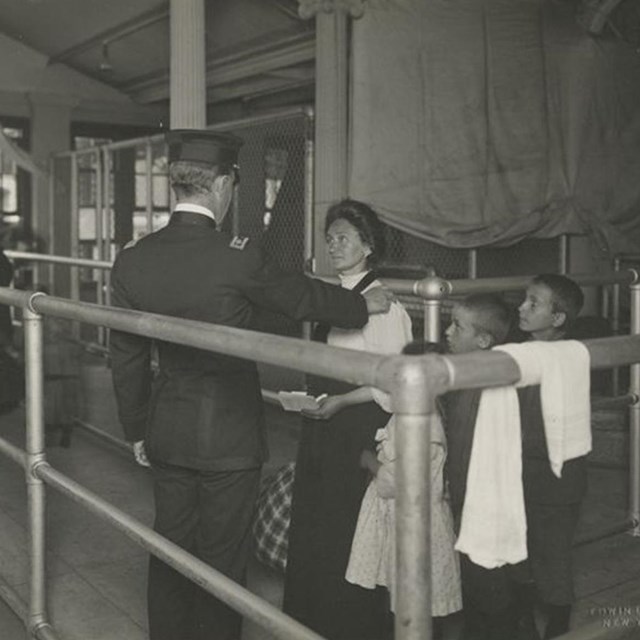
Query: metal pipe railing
73, 262
35, 454
249, 121
196, 570
431, 290
634, 419
413, 382
148, 180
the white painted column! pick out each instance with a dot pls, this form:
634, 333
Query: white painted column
331, 132
188, 98
50, 132
331, 109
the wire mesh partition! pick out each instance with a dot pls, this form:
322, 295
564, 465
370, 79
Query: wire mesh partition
412, 382
118, 192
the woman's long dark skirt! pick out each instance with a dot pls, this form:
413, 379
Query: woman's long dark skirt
328, 490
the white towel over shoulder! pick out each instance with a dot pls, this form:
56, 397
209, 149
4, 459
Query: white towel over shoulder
493, 528
562, 369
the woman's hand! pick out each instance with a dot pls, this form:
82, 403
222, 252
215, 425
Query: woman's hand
370, 462
327, 408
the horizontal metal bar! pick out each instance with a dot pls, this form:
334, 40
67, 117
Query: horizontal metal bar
355, 367
103, 435
464, 371
615, 402
13, 452
237, 597
434, 288
13, 599
265, 118
427, 288
483, 368
74, 262
14, 297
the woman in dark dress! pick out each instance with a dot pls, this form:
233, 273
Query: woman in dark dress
329, 482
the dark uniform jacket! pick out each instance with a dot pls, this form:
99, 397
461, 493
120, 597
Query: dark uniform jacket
204, 410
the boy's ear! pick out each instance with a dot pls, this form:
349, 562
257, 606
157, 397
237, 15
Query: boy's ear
558, 319
484, 341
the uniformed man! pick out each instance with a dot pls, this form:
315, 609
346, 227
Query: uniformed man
200, 422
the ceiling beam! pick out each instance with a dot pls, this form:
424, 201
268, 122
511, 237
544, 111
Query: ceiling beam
252, 89
306, 72
288, 7
112, 34
232, 68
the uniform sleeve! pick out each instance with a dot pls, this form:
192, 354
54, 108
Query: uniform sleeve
130, 367
303, 298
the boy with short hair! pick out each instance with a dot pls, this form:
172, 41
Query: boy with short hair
478, 322
552, 504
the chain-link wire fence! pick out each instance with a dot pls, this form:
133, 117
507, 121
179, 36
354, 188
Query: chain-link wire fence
119, 192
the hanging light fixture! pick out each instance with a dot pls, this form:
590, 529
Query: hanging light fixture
105, 64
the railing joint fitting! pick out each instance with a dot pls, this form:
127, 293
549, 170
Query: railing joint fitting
36, 623
432, 288
32, 297
37, 460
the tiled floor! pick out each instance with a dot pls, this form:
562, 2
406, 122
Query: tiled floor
96, 576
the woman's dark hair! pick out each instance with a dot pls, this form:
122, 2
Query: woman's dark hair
365, 220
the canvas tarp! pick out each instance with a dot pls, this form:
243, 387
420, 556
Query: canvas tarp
481, 122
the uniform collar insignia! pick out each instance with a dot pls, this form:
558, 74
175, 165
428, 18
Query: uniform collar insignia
239, 242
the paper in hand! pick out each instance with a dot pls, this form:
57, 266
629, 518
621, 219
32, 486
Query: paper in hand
297, 401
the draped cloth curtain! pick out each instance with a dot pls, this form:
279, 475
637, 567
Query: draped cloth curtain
481, 122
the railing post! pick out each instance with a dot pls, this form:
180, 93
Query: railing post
35, 456
472, 263
148, 176
308, 259
432, 320
563, 254
634, 419
74, 240
413, 405
432, 290
103, 230
615, 326
50, 228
